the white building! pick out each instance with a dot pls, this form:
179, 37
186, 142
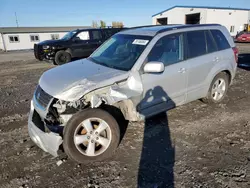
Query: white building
235, 19
22, 38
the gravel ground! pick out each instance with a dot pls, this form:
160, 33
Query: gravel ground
195, 145
16, 55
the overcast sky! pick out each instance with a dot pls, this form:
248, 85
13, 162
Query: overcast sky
83, 12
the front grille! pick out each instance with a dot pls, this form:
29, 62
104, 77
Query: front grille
36, 119
38, 52
42, 97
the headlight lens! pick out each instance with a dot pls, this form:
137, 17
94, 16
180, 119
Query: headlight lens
45, 47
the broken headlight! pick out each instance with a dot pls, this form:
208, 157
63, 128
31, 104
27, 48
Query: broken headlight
46, 47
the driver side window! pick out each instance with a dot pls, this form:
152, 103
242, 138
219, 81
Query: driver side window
84, 35
168, 50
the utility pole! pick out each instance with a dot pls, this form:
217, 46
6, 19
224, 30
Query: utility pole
16, 20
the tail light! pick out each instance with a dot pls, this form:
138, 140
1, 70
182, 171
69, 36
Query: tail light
236, 54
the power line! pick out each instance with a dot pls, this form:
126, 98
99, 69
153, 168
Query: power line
16, 20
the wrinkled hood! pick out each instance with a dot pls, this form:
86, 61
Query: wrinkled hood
71, 81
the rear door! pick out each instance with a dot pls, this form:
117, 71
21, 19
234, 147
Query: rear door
81, 44
96, 40
202, 55
224, 45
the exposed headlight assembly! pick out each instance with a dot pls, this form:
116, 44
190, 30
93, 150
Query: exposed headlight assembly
45, 47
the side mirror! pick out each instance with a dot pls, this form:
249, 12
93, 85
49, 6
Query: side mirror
76, 39
154, 67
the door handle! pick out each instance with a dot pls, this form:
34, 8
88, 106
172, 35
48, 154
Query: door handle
216, 59
182, 70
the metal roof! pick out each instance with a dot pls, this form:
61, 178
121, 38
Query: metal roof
204, 7
39, 29
154, 30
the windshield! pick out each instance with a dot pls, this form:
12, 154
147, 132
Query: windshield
121, 51
69, 35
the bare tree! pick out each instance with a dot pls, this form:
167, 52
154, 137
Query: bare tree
102, 24
117, 24
95, 24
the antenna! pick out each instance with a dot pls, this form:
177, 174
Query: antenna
16, 20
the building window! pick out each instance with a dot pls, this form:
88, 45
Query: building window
231, 29
14, 38
54, 36
34, 38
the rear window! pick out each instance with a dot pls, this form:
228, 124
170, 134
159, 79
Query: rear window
196, 43
220, 40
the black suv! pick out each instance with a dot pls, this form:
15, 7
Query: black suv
75, 44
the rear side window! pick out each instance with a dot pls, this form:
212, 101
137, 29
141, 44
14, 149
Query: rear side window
220, 40
211, 46
96, 35
196, 43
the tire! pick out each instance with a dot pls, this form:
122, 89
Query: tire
219, 78
54, 62
81, 153
62, 57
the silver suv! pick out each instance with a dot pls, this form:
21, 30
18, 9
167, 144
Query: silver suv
138, 72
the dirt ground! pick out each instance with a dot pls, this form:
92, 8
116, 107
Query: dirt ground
195, 145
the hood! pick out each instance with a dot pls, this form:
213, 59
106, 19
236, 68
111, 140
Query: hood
71, 81
52, 42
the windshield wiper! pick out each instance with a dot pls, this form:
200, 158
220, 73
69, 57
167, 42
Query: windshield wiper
104, 64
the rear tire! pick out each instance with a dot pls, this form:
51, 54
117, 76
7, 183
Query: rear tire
83, 133
218, 89
62, 57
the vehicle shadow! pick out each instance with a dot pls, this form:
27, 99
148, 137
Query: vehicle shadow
156, 167
244, 61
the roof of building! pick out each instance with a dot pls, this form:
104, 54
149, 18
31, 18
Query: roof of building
153, 30
204, 7
39, 29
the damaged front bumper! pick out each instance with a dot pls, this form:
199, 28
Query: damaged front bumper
47, 141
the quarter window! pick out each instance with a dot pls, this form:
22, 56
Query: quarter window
168, 50
211, 47
107, 33
196, 43
34, 38
220, 40
14, 38
54, 36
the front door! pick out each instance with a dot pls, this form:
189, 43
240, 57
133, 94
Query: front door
81, 44
165, 90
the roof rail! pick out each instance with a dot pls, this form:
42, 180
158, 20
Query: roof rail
186, 26
143, 26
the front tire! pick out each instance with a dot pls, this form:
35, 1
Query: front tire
62, 57
218, 89
91, 135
